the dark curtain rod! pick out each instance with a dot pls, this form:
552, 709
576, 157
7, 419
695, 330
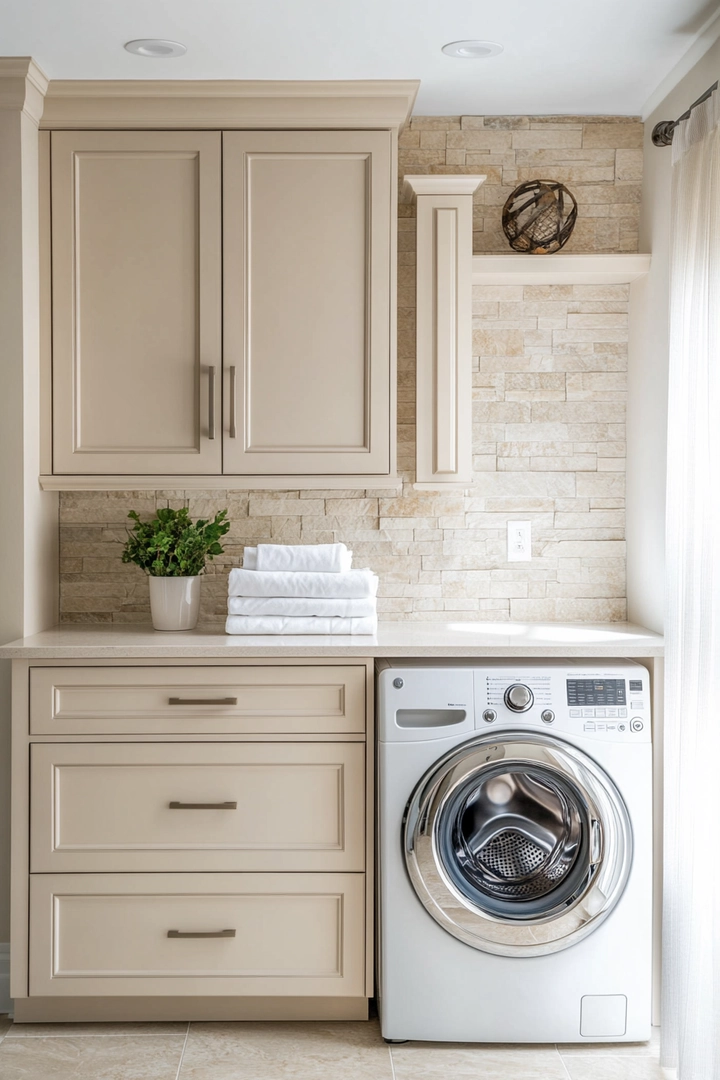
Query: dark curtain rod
663, 132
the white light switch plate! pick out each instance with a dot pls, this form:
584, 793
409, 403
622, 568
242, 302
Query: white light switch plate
519, 541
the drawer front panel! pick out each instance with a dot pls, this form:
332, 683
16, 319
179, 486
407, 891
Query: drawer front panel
219, 806
197, 934
197, 700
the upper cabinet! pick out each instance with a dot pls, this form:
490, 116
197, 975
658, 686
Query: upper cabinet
223, 301
307, 220
136, 302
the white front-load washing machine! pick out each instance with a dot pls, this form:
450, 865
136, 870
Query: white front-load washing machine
515, 851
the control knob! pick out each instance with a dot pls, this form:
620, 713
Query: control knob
518, 697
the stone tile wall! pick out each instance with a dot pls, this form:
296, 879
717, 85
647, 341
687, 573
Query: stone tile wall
549, 421
598, 157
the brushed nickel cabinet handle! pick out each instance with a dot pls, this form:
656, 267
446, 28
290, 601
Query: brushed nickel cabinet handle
211, 403
233, 402
200, 933
202, 701
202, 806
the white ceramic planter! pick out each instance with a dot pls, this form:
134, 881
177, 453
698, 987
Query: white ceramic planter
174, 602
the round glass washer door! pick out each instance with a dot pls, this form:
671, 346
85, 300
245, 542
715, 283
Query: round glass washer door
518, 844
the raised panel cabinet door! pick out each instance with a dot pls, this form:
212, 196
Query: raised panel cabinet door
195, 807
307, 255
198, 700
114, 935
136, 300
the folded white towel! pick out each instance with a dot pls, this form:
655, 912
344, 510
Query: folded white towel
296, 606
321, 558
278, 624
356, 584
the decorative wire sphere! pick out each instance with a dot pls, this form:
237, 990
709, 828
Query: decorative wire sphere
539, 217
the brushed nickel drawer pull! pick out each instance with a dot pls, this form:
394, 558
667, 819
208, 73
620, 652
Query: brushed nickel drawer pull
203, 806
202, 701
211, 403
233, 402
200, 933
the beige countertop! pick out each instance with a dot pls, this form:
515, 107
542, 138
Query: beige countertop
399, 639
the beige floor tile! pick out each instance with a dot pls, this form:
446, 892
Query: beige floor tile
285, 1051
20, 1031
88, 1058
440, 1061
651, 1048
612, 1067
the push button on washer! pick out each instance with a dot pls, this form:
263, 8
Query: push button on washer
636, 724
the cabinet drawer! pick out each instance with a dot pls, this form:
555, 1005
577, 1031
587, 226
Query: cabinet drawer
243, 806
109, 934
197, 700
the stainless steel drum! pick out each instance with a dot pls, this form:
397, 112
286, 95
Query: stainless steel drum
517, 844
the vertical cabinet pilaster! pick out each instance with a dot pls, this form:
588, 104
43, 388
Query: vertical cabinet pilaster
444, 328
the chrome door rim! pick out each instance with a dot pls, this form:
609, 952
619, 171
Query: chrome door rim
602, 882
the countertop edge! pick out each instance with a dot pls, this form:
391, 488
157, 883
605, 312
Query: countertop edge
287, 652
393, 640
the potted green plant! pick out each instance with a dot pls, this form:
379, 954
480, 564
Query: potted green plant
172, 550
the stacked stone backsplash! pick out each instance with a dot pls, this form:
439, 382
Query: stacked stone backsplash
550, 367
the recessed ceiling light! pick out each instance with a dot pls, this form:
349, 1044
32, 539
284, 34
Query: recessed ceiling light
472, 50
155, 48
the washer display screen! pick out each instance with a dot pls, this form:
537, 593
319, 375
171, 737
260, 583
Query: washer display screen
596, 692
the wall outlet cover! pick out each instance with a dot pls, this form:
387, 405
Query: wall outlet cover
519, 541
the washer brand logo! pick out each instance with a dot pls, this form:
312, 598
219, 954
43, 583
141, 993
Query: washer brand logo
457, 705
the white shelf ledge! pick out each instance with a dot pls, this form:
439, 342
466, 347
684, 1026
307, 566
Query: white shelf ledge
558, 269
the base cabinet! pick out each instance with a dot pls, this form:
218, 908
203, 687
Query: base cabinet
221, 852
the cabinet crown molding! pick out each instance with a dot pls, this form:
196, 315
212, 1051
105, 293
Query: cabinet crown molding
454, 184
247, 104
23, 86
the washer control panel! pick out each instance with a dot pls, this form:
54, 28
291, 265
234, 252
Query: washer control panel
597, 700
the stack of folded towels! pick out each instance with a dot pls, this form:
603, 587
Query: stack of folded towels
303, 589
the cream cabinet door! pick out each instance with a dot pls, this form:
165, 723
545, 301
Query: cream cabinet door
197, 700
307, 290
136, 281
195, 807
198, 934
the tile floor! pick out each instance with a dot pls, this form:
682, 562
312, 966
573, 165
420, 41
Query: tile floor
298, 1051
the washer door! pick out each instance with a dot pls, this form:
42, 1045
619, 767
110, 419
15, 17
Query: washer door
518, 844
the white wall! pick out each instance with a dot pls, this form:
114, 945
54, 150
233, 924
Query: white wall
648, 361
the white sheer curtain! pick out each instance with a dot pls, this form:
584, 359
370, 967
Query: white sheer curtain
691, 921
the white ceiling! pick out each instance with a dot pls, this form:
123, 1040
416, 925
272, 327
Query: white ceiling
581, 56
